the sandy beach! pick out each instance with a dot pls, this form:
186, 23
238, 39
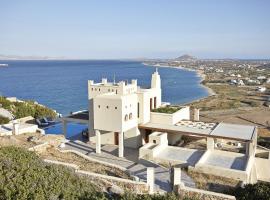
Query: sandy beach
199, 74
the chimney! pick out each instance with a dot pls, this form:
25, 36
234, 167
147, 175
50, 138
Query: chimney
196, 114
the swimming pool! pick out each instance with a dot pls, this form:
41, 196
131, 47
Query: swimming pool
73, 130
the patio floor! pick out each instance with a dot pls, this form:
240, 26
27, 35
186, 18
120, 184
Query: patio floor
190, 156
230, 161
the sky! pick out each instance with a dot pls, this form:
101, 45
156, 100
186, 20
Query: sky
116, 29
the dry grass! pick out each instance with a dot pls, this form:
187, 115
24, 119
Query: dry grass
211, 182
230, 97
53, 154
264, 132
21, 140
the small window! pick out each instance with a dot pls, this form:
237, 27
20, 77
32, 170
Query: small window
116, 91
92, 89
130, 115
154, 141
107, 107
95, 89
115, 108
99, 89
109, 90
126, 117
112, 90
98, 106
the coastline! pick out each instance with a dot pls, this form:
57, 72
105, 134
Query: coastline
199, 74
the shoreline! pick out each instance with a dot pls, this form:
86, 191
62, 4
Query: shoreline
199, 74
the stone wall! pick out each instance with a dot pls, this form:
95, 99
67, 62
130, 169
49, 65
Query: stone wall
184, 191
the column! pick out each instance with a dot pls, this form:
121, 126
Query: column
64, 128
196, 114
15, 128
210, 143
176, 176
250, 151
121, 144
98, 141
150, 179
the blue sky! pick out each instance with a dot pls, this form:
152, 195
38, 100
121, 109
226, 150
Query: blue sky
99, 29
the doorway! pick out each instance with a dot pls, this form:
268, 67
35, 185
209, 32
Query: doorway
116, 138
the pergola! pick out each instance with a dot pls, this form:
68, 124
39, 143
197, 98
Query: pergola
243, 133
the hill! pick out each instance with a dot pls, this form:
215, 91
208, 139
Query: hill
185, 57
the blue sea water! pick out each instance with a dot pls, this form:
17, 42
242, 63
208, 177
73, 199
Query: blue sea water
62, 85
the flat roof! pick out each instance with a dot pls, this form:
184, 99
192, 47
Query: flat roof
222, 130
236, 131
174, 128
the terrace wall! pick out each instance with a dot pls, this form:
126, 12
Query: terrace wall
170, 119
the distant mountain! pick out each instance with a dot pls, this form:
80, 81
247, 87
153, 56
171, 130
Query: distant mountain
185, 57
16, 57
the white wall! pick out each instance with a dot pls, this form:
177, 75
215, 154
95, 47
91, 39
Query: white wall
107, 118
170, 119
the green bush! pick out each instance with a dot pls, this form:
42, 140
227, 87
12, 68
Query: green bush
27, 108
3, 120
258, 191
167, 109
24, 176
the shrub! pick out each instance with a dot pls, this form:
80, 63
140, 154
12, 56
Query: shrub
3, 120
253, 192
27, 108
167, 109
24, 176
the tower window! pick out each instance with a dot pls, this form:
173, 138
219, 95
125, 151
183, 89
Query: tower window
130, 115
126, 117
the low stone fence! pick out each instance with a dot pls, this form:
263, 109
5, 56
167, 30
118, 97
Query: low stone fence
134, 186
39, 147
184, 192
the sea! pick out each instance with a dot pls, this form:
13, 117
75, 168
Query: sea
62, 84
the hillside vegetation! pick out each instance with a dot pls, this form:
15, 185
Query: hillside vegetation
24, 175
26, 108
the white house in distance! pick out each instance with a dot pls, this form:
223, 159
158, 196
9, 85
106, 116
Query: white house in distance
129, 116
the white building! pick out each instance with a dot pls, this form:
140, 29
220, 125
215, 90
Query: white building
116, 109
126, 115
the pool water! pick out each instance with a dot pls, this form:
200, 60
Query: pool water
73, 130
